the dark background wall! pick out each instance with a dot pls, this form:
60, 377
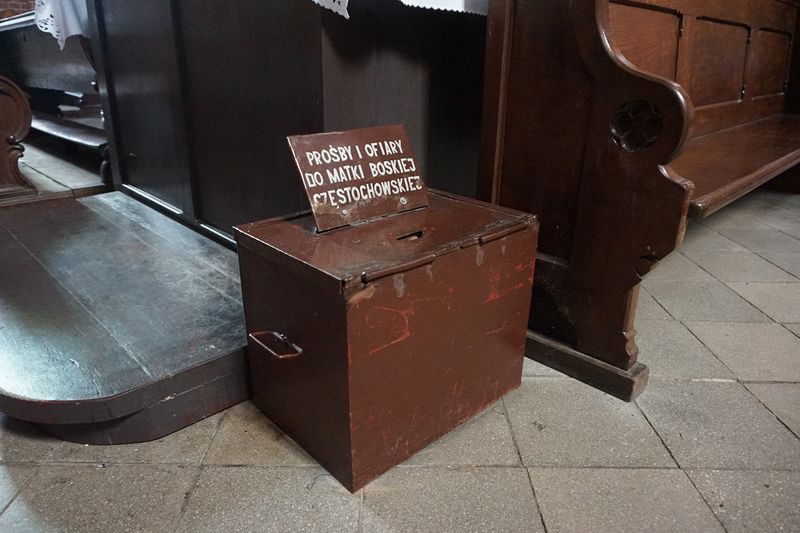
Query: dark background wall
202, 94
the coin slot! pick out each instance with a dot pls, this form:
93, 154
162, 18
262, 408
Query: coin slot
411, 236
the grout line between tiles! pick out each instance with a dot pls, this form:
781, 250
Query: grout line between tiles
781, 422
702, 497
660, 438
536, 500
643, 288
707, 347
361, 501
768, 260
795, 333
522, 462
21, 488
678, 464
188, 496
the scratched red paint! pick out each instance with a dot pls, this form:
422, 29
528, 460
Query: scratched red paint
405, 332
386, 372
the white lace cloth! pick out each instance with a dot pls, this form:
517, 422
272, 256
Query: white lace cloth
479, 7
62, 18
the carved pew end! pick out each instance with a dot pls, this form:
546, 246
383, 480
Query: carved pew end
15, 122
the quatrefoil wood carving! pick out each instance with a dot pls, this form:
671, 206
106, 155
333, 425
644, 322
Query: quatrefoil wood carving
637, 125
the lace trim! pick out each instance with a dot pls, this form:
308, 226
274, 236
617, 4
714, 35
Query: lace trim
480, 7
61, 18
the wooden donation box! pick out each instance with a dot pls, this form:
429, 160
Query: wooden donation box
373, 338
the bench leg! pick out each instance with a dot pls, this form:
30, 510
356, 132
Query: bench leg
593, 340
12, 182
105, 165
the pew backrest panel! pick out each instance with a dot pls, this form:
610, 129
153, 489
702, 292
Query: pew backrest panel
732, 56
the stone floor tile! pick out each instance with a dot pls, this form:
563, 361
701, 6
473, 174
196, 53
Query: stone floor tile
780, 301
483, 440
531, 369
20, 442
704, 300
671, 351
12, 480
783, 399
788, 261
754, 352
269, 499
247, 437
649, 309
677, 267
567, 423
739, 217
739, 266
718, 425
450, 499
699, 237
89, 498
762, 239
620, 500
786, 220
794, 328
752, 501
187, 446
788, 200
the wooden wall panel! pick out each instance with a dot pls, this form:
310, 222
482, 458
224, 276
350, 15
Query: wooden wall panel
647, 37
139, 43
529, 180
718, 61
769, 67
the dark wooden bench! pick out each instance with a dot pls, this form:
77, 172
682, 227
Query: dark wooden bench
53, 78
76, 133
15, 121
614, 122
732, 57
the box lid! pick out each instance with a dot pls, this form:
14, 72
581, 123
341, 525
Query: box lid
388, 245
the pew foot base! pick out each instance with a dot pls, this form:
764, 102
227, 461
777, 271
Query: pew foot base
626, 385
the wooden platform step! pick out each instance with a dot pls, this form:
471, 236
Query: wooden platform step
728, 164
111, 317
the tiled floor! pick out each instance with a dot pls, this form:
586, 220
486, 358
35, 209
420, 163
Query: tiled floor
711, 445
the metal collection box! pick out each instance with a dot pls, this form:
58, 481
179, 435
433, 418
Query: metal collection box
371, 341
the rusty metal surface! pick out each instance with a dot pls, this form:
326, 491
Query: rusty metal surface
353, 176
399, 341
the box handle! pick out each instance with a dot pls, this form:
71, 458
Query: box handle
276, 344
